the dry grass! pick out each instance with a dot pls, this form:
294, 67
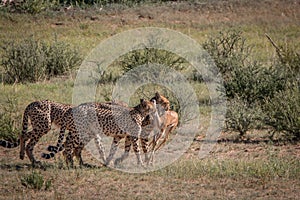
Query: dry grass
232, 171
86, 28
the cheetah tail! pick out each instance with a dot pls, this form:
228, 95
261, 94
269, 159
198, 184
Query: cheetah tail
8, 144
48, 155
22, 136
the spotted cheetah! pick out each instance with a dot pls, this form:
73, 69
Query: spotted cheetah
42, 115
159, 125
90, 120
60, 147
153, 125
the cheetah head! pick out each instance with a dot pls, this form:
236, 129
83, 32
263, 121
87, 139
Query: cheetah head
147, 107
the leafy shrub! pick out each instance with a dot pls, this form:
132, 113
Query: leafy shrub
253, 83
242, 116
30, 6
288, 65
282, 110
38, 6
243, 79
247, 90
283, 113
229, 50
287, 56
7, 130
247, 84
33, 60
23, 61
146, 56
61, 58
9, 118
141, 57
35, 181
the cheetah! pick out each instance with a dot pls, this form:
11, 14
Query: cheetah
59, 146
155, 125
90, 120
42, 115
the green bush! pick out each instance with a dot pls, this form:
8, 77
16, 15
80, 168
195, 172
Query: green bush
35, 181
147, 56
229, 51
283, 113
289, 57
23, 61
33, 60
61, 58
243, 78
7, 129
282, 110
247, 90
10, 127
288, 64
242, 116
30, 6
248, 83
253, 83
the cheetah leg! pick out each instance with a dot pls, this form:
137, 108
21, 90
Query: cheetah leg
29, 150
134, 141
34, 138
128, 141
59, 145
77, 154
23, 138
68, 151
145, 144
136, 149
113, 149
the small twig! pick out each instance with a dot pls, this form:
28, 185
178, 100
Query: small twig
278, 50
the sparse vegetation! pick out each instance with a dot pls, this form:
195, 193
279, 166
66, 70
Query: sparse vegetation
283, 114
229, 51
256, 92
35, 181
32, 60
282, 109
10, 119
242, 116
